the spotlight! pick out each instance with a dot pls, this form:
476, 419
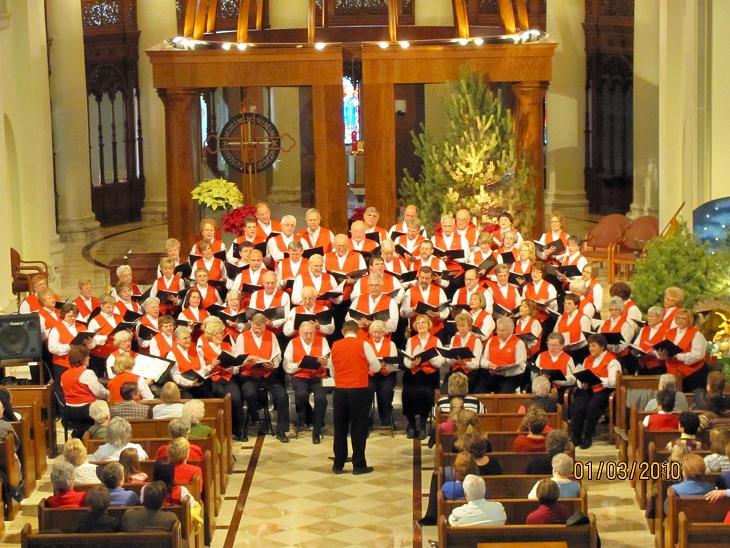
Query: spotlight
227, 46
479, 41
463, 41
383, 45
404, 44
320, 46
177, 39
242, 46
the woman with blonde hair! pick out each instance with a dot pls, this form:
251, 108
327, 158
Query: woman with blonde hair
123, 368
465, 338
525, 259
171, 406
689, 365
421, 377
719, 458
75, 454
464, 465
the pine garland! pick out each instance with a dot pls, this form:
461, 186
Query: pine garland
475, 164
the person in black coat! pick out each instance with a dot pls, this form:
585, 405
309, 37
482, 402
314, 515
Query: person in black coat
98, 520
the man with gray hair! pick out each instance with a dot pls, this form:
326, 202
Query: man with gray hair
478, 510
64, 496
669, 382
504, 360
278, 246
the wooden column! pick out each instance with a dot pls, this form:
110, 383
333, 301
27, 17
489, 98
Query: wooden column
379, 131
530, 125
179, 132
330, 187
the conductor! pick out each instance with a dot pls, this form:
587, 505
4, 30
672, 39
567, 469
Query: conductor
350, 360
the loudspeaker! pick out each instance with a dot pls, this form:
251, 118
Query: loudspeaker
20, 337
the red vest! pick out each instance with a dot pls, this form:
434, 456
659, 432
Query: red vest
349, 363
325, 285
215, 272
479, 319
210, 297
669, 314
383, 352
479, 257
520, 269
396, 265
286, 270
647, 345
426, 367
527, 328
261, 234
432, 298
253, 350
210, 354
457, 342
216, 246
122, 307
164, 347
664, 421
298, 354
115, 385
571, 331
388, 284
174, 285
539, 296
257, 300
352, 262
507, 355
188, 314
456, 241
65, 337
545, 361
105, 328
368, 246
84, 310
50, 317
410, 245
324, 239
75, 392
461, 295
33, 303
572, 260
510, 301
281, 245
600, 369
187, 360
677, 367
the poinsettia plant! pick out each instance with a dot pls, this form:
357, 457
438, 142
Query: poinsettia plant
217, 194
234, 220
358, 214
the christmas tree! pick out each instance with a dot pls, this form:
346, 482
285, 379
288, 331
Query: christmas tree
475, 164
680, 260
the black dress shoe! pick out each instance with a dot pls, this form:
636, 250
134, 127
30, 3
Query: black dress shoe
316, 438
421, 433
427, 521
587, 442
283, 438
363, 470
337, 469
410, 432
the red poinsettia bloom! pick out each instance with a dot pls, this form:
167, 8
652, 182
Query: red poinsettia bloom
491, 228
233, 221
358, 214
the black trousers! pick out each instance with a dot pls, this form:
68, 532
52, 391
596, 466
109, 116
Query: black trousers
222, 387
78, 419
585, 410
350, 416
696, 380
493, 383
382, 388
302, 388
278, 394
418, 391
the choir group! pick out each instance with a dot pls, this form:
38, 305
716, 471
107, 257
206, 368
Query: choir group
243, 319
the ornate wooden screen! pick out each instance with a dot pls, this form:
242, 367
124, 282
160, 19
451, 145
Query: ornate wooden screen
609, 34
350, 13
115, 130
486, 13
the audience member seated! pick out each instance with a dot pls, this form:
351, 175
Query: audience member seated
64, 496
556, 442
669, 382
664, 418
129, 408
180, 428
448, 426
467, 428
97, 519
118, 436
75, 454
178, 453
99, 413
563, 476
171, 406
541, 396
81, 388
534, 441
487, 466
693, 468
123, 365
176, 494
478, 510
151, 517
719, 458
550, 512
689, 424
458, 386
712, 397
112, 476
452, 487
129, 459
193, 412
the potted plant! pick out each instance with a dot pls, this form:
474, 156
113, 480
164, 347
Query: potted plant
233, 220
215, 194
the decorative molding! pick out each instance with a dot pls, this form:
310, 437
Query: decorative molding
78, 229
154, 211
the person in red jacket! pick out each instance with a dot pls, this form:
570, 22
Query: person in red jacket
64, 495
665, 418
178, 452
534, 440
350, 361
549, 512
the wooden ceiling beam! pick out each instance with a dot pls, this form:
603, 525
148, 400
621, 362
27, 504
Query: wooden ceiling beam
201, 15
507, 15
212, 16
189, 24
522, 18
242, 28
461, 17
393, 6
312, 21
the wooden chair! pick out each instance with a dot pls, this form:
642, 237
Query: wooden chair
23, 431
171, 539
517, 509
9, 464
599, 242
505, 422
510, 462
701, 534
580, 536
27, 395
144, 267
37, 430
695, 509
22, 271
631, 246
618, 402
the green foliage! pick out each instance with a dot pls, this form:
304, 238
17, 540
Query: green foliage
680, 260
217, 193
475, 164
